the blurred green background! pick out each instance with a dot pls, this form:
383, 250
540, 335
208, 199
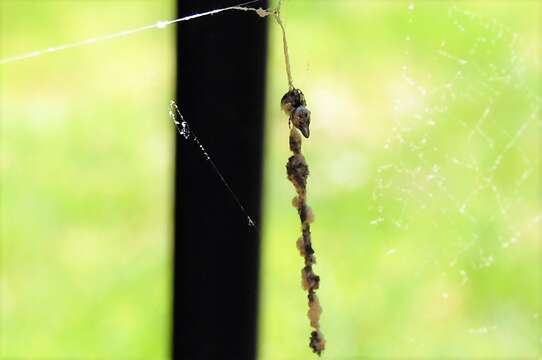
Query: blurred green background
86, 166
425, 181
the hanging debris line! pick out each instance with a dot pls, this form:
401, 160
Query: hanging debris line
293, 103
184, 129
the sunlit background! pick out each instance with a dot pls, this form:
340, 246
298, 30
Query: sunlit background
425, 181
86, 182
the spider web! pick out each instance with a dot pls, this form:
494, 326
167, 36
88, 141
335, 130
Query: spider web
468, 136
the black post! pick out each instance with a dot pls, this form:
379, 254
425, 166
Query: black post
220, 86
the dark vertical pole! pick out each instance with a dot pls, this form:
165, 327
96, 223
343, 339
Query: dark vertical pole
220, 87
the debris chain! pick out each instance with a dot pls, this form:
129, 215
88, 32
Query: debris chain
184, 129
293, 103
